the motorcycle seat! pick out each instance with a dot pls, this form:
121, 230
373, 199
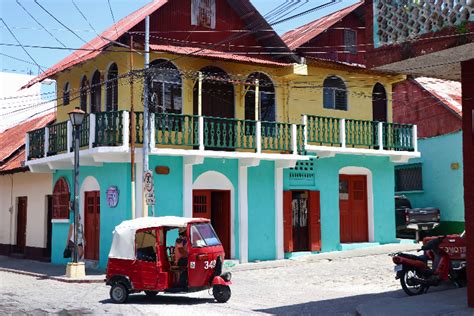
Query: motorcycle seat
413, 257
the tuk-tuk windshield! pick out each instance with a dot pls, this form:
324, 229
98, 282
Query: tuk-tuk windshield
203, 235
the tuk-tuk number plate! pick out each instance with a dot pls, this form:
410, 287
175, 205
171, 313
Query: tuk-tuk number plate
207, 264
398, 267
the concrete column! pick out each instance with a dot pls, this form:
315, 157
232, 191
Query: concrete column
46, 141
91, 130
342, 132
243, 214
187, 190
279, 212
467, 83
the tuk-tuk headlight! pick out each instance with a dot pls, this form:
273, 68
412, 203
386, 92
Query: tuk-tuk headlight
226, 276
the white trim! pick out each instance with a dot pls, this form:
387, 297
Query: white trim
187, 190
213, 180
27, 146
243, 213
46, 141
69, 131
92, 128
90, 183
279, 243
60, 221
138, 186
370, 194
395, 156
126, 130
342, 132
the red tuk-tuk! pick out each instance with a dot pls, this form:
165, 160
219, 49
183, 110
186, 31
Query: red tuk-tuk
166, 254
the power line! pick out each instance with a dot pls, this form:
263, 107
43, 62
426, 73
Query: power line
113, 17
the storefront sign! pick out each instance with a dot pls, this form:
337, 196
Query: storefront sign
162, 170
112, 196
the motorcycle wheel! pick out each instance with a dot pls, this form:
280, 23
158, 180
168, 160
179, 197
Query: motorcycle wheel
221, 293
407, 283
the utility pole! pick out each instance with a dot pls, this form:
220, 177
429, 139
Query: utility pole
146, 119
132, 132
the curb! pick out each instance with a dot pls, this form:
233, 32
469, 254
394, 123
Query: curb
54, 278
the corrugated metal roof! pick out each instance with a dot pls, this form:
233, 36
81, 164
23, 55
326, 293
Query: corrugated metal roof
100, 42
215, 54
449, 92
301, 35
14, 163
13, 138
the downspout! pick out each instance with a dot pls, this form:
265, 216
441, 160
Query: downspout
11, 213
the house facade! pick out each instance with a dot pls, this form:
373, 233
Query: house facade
435, 106
282, 155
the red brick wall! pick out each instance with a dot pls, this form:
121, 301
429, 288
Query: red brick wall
414, 105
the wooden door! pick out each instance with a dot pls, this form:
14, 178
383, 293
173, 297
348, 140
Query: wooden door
287, 221
220, 218
314, 221
21, 224
92, 224
49, 217
299, 206
353, 208
202, 203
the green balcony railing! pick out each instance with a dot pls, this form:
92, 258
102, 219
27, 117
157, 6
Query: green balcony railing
300, 139
276, 136
398, 136
57, 138
176, 129
36, 143
84, 134
323, 130
108, 128
361, 133
138, 128
227, 133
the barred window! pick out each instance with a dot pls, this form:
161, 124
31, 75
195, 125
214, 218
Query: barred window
408, 178
350, 41
334, 94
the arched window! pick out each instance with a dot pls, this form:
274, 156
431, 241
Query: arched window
66, 93
166, 87
83, 93
379, 103
95, 92
266, 98
61, 197
334, 93
111, 89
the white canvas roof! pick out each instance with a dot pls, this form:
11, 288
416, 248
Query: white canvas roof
123, 243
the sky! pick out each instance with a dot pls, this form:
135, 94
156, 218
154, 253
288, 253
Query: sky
99, 15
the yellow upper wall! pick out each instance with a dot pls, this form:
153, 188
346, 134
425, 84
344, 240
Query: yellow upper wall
295, 94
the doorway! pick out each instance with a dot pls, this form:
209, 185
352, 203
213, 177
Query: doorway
92, 224
22, 204
215, 205
302, 221
379, 103
49, 228
353, 208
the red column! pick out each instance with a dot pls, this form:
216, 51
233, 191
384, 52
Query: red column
467, 81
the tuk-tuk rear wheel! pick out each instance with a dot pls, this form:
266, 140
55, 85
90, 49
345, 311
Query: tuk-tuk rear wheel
151, 293
118, 293
221, 293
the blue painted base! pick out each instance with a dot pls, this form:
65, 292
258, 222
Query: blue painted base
360, 245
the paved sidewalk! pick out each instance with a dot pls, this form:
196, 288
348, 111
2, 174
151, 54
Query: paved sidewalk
46, 270
451, 302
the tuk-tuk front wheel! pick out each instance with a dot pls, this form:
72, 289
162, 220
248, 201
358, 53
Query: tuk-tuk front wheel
221, 293
118, 293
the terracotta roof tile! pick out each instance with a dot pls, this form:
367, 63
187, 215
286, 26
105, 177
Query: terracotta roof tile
301, 35
449, 92
13, 138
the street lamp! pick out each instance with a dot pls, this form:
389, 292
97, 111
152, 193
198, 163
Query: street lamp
76, 116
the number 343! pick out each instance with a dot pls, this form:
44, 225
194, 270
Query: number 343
209, 264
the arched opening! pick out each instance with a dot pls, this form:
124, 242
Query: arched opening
166, 87
95, 92
61, 198
266, 97
66, 93
356, 205
334, 93
111, 89
89, 205
379, 103
217, 93
213, 198
83, 93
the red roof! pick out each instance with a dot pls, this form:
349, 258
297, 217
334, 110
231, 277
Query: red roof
100, 42
13, 138
14, 162
210, 53
448, 92
301, 35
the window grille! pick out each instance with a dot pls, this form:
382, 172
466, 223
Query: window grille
408, 178
350, 41
334, 93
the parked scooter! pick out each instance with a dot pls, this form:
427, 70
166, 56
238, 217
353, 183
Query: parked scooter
418, 273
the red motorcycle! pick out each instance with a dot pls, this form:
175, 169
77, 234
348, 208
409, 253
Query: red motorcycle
418, 273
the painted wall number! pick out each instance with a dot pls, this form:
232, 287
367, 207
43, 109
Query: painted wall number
209, 264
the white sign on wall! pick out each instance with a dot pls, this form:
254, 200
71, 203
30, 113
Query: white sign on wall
149, 187
203, 13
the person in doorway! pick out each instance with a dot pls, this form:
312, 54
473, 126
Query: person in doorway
80, 240
181, 256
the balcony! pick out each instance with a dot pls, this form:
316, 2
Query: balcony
327, 136
105, 137
422, 37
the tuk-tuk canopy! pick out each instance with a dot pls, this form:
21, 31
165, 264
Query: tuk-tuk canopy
123, 243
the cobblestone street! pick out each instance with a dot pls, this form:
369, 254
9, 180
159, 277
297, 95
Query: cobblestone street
324, 284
